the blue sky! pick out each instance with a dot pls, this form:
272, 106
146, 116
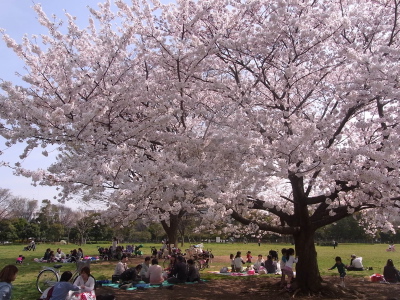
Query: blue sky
18, 18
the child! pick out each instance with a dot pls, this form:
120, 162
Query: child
238, 262
288, 269
282, 265
20, 259
341, 269
232, 258
248, 257
259, 262
270, 265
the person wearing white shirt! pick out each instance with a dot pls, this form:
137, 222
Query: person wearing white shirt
122, 266
238, 262
259, 262
355, 264
288, 268
59, 256
145, 268
86, 283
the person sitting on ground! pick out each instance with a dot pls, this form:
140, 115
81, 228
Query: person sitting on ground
355, 264
86, 283
390, 273
74, 256
259, 262
59, 255
62, 288
131, 275
238, 262
20, 259
172, 263
7, 275
46, 256
179, 273
270, 265
79, 254
193, 273
145, 268
121, 266
52, 257
155, 272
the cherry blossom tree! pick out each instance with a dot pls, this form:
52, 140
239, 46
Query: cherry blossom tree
279, 114
316, 85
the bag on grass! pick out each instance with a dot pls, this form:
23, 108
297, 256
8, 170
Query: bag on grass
377, 277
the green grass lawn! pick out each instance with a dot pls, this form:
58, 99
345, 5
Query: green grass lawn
374, 256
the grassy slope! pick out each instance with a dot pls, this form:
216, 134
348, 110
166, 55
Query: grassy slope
25, 285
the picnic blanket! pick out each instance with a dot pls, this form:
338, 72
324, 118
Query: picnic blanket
144, 285
232, 273
239, 273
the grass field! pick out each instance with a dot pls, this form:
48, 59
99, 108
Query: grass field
374, 256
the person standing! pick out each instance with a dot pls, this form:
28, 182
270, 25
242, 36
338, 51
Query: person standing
248, 257
114, 244
232, 259
7, 275
341, 269
288, 269
282, 264
32, 245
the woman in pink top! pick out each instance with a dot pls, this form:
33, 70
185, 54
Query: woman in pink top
155, 272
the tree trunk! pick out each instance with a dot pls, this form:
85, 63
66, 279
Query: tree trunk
172, 229
307, 273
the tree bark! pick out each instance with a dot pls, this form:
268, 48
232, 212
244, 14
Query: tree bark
307, 273
172, 229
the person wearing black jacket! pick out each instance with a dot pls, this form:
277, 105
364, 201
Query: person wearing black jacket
179, 272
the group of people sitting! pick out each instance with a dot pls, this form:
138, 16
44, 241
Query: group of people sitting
261, 266
60, 256
82, 288
179, 271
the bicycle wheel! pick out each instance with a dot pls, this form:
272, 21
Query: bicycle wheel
74, 277
46, 279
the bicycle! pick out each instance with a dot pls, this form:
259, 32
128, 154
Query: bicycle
203, 260
49, 276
